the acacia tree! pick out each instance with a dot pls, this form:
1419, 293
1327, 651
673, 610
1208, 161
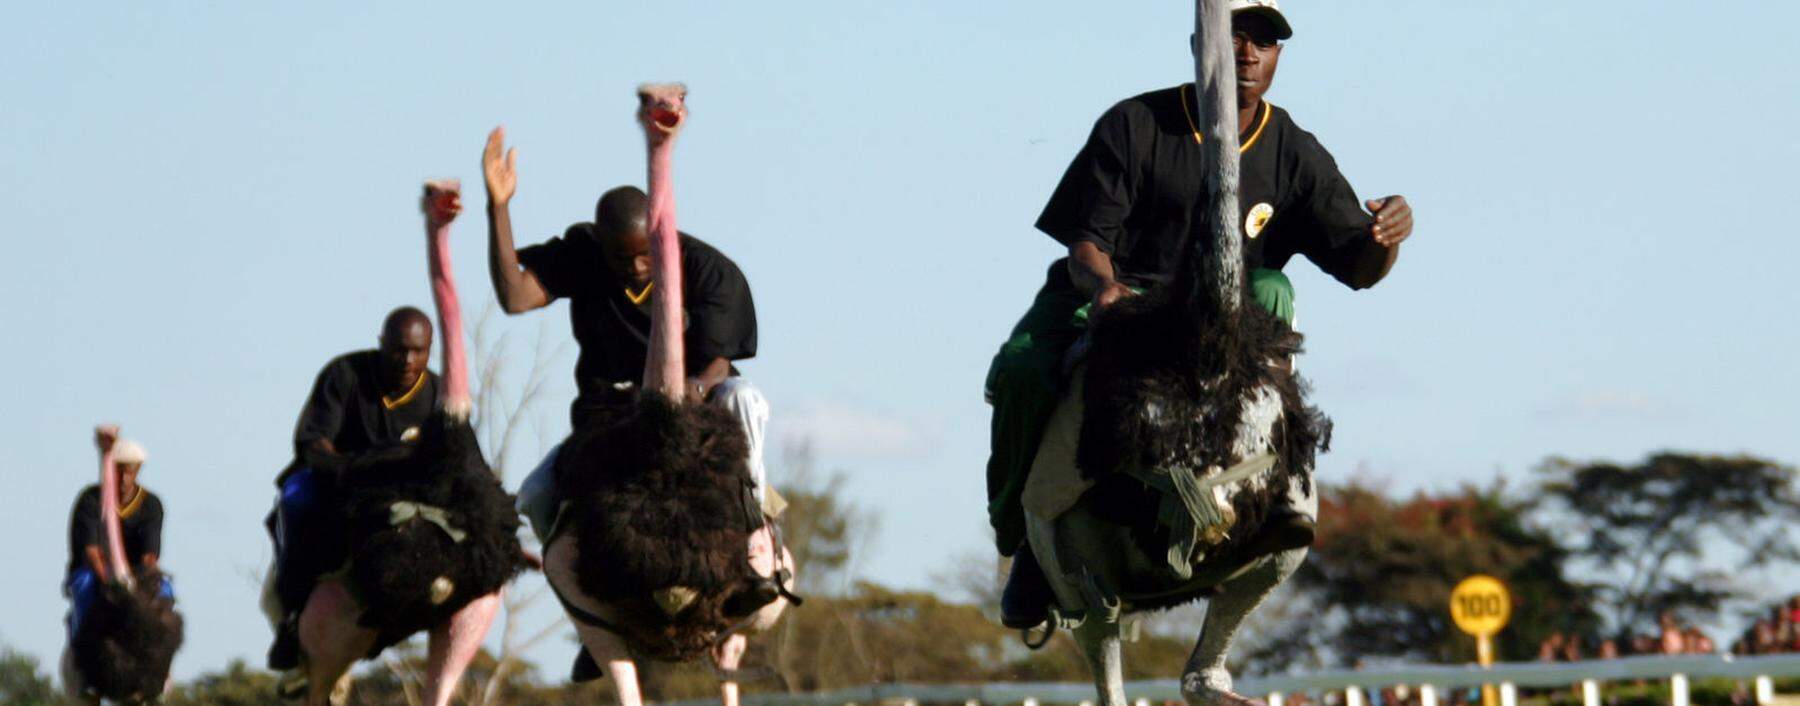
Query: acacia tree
1674, 532
23, 684
1378, 579
504, 414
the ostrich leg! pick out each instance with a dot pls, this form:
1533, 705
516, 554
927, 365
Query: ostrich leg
607, 650
453, 645
728, 656
1205, 682
330, 639
1100, 642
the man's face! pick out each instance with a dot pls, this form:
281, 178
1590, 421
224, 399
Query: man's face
1257, 51
128, 475
628, 256
406, 352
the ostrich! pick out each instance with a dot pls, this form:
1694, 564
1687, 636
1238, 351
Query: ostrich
433, 535
127, 640
656, 545
1181, 426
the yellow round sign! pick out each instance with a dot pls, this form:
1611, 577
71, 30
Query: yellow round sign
1480, 605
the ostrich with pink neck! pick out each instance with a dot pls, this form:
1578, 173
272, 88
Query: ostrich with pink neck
661, 532
129, 636
434, 537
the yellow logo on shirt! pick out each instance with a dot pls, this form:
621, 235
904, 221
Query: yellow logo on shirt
1258, 219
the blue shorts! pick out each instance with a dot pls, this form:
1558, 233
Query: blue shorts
83, 588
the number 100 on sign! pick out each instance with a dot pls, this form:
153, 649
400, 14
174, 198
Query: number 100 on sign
1480, 605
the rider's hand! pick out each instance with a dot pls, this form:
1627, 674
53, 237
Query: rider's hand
105, 435
502, 177
1111, 294
1393, 220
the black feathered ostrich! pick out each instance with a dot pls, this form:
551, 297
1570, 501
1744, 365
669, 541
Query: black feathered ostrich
122, 649
1180, 429
660, 531
433, 535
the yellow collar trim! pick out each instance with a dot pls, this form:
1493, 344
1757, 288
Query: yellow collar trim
1267, 110
637, 299
131, 508
410, 394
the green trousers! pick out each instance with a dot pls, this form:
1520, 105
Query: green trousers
1025, 382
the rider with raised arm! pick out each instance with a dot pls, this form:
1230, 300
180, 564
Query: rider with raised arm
603, 269
1124, 209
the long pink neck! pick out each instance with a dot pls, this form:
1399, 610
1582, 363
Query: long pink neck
665, 367
449, 312
109, 519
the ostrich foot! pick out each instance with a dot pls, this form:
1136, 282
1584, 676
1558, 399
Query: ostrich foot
1212, 687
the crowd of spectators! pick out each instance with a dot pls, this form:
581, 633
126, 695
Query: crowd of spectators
1672, 637
1776, 632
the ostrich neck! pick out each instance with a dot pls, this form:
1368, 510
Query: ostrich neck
664, 365
109, 519
449, 311
1221, 277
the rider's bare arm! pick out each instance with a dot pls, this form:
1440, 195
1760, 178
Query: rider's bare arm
1091, 269
516, 287
96, 561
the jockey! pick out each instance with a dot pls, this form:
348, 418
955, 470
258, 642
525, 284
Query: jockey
1124, 210
366, 407
140, 521
603, 269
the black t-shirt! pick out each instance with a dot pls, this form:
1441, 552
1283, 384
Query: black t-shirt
140, 521
348, 408
614, 333
1134, 187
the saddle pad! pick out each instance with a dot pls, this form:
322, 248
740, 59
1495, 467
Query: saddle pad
1055, 483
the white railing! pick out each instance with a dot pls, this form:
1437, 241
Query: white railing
1430, 680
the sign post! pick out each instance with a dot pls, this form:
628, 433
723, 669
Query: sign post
1480, 606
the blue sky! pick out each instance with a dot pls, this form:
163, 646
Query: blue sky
207, 201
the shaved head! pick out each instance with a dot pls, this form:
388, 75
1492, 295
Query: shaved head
401, 319
405, 347
620, 211
620, 227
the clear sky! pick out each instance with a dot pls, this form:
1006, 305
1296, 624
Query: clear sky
206, 201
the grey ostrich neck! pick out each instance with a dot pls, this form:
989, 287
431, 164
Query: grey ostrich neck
1219, 252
